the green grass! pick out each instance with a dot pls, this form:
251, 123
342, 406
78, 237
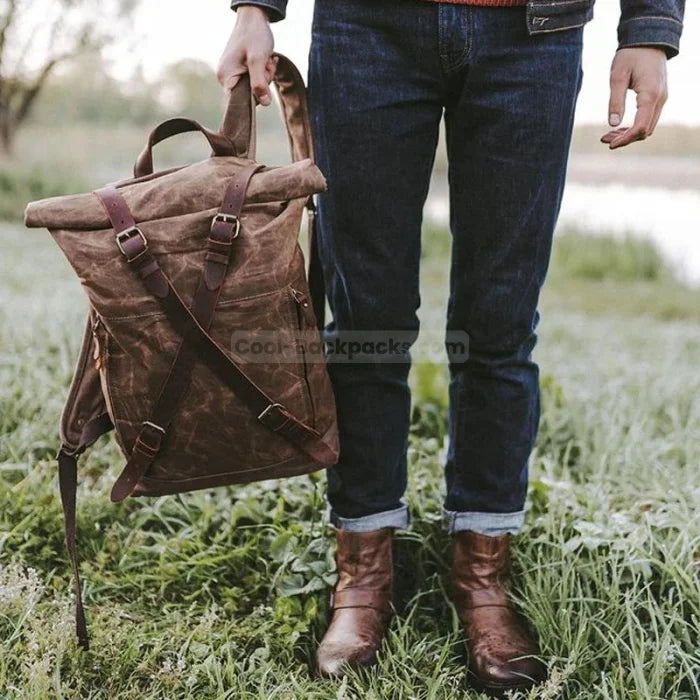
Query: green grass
223, 593
597, 258
598, 275
602, 274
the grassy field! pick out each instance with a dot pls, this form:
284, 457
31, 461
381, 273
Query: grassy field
76, 157
223, 594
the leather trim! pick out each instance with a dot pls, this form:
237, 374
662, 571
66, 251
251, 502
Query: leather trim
480, 598
360, 598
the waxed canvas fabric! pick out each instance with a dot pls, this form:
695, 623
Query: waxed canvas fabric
129, 342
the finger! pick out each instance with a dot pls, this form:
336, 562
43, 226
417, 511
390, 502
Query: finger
646, 104
659, 108
258, 79
619, 82
654, 120
613, 133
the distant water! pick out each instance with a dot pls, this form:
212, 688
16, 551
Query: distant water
669, 218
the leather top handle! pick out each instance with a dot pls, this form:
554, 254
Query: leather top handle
239, 119
236, 135
220, 144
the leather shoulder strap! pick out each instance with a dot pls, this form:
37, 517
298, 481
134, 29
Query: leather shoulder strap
295, 109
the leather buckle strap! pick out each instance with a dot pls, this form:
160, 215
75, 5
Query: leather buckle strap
278, 419
151, 430
274, 417
230, 219
145, 450
132, 243
222, 233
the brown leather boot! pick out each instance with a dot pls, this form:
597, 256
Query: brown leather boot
501, 654
361, 601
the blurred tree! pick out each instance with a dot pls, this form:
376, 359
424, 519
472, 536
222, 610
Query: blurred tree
190, 87
85, 91
38, 35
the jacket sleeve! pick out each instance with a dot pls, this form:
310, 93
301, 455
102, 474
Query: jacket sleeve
276, 9
651, 23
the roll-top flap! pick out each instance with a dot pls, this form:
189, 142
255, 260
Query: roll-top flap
186, 190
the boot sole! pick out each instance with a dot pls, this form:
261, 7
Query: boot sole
349, 666
498, 691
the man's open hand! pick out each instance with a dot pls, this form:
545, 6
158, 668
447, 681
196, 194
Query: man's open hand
249, 50
642, 69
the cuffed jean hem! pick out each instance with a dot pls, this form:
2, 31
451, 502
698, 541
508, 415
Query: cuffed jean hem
398, 518
493, 524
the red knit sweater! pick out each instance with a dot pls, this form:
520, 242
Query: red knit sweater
493, 3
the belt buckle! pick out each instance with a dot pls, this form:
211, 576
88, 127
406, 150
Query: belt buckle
227, 219
267, 413
128, 233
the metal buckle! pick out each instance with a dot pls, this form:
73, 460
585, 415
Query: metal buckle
227, 219
153, 425
271, 407
129, 233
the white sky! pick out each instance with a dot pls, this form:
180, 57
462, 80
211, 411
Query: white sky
169, 31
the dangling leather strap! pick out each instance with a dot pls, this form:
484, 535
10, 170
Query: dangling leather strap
68, 484
224, 229
134, 247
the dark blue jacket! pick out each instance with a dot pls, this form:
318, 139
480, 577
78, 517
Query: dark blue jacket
642, 22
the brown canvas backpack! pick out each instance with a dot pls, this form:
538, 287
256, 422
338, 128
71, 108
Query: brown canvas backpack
187, 271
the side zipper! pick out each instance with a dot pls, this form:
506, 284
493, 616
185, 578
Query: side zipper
100, 358
302, 307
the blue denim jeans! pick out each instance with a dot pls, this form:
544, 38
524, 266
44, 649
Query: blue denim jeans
382, 75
